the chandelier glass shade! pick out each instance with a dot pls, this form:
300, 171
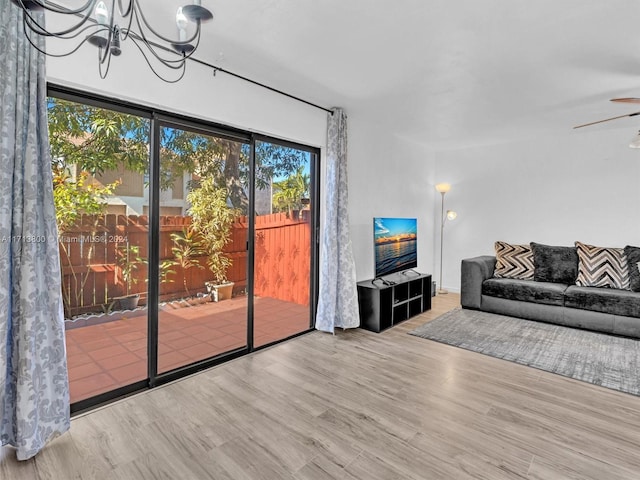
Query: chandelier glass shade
106, 24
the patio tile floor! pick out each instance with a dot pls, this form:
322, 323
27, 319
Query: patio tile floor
106, 356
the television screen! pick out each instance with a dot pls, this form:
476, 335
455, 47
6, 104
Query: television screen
396, 244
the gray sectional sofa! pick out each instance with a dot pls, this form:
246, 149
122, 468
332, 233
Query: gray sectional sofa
607, 310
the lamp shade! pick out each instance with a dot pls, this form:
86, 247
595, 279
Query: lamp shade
451, 215
635, 141
443, 187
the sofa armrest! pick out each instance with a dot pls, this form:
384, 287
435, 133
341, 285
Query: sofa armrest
475, 271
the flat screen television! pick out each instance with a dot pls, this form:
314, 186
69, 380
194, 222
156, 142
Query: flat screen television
395, 244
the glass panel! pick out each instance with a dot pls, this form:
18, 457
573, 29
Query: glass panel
203, 257
282, 242
99, 162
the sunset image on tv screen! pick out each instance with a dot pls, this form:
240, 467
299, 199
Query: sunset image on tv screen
395, 244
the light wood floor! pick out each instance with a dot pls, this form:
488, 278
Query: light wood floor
356, 405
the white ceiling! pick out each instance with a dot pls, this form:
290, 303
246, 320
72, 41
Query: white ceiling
445, 73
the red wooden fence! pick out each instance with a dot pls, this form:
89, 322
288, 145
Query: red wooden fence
283, 257
92, 272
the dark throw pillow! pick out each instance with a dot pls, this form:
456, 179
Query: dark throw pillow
513, 261
554, 264
633, 260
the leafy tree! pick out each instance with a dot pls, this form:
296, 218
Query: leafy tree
274, 161
288, 193
96, 139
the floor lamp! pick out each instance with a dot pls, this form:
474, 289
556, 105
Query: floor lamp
443, 188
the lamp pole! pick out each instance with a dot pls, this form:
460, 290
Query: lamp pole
441, 289
443, 188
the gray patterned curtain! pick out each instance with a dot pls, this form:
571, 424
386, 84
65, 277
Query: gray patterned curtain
338, 302
34, 386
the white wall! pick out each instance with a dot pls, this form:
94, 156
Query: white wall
388, 177
552, 190
556, 189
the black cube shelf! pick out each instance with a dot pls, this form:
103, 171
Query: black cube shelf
385, 305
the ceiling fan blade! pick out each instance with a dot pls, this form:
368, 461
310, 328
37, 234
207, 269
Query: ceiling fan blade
626, 100
608, 119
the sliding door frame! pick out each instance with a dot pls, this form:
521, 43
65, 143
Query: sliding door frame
315, 228
200, 128
159, 118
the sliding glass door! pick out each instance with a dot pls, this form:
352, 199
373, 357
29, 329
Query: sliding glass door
182, 244
100, 159
202, 208
283, 242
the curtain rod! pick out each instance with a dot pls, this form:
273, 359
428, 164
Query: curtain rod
254, 82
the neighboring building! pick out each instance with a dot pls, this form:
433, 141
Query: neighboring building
132, 194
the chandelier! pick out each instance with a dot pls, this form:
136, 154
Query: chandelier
99, 25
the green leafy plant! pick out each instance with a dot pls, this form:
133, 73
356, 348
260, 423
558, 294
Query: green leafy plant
212, 219
129, 261
73, 197
187, 248
166, 269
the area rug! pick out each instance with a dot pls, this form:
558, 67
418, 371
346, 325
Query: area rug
601, 359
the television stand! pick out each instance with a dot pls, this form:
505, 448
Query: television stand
383, 306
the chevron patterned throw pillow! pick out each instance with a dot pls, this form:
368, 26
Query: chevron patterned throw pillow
513, 261
602, 267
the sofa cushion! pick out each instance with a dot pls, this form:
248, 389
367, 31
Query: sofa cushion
525, 290
554, 264
633, 261
513, 261
605, 300
602, 267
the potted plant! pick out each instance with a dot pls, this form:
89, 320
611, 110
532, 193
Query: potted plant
212, 219
220, 287
129, 261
